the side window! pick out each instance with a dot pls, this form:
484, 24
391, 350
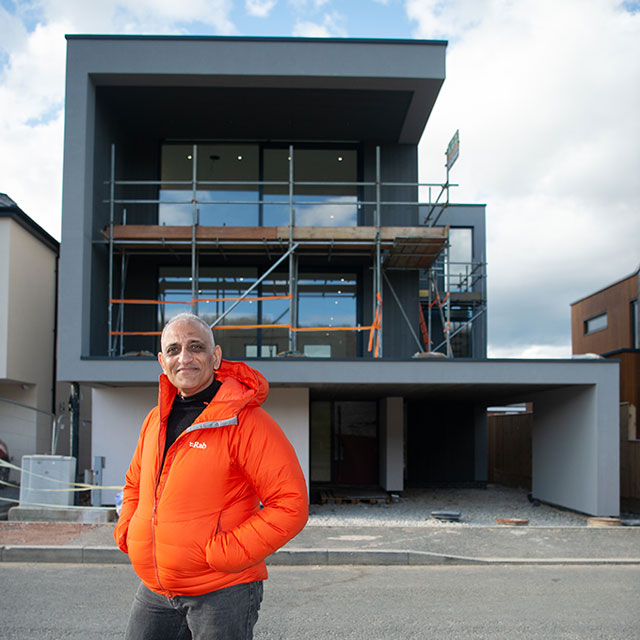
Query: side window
597, 323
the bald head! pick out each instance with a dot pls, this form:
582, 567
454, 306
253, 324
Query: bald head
190, 318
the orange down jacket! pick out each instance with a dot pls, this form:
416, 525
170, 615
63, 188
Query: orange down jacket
195, 524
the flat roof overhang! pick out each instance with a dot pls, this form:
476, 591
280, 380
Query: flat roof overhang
275, 88
482, 382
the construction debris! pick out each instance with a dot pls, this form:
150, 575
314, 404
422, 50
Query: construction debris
447, 516
335, 496
513, 522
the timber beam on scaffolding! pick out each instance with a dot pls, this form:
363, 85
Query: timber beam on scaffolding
403, 247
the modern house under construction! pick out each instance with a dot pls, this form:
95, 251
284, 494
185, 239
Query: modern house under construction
271, 186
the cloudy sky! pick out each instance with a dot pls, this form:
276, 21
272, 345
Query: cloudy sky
545, 94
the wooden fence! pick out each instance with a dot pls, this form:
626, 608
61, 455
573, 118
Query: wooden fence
510, 449
629, 459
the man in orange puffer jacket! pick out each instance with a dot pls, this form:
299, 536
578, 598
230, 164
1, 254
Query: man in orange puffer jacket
191, 519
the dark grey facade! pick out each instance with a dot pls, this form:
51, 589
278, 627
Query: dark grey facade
199, 169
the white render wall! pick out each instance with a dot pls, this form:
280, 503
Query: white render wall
117, 416
576, 449
118, 413
290, 409
391, 444
27, 320
5, 254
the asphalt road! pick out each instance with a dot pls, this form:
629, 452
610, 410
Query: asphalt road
55, 601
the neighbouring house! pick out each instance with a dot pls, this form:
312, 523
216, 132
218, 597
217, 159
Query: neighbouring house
270, 185
28, 276
607, 323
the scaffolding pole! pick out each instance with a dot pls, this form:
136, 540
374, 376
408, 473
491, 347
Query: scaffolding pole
123, 274
111, 222
293, 263
194, 228
377, 298
447, 286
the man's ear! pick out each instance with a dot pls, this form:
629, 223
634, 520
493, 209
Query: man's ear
160, 360
217, 357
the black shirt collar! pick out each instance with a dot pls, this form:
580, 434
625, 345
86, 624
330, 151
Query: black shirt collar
202, 397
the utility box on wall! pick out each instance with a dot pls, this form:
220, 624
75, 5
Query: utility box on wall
47, 480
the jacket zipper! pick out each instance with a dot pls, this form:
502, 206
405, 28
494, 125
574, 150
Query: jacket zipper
157, 496
154, 519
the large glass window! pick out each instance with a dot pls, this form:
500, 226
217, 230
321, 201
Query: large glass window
316, 204
248, 185
327, 300
459, 266
218, 290
258, 326
227, 184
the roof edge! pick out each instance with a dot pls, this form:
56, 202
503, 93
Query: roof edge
411, 41
16, 214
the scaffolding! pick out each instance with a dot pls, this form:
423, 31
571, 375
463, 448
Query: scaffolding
389, 247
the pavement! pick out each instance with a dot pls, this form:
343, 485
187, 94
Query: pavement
377, 543
371, 545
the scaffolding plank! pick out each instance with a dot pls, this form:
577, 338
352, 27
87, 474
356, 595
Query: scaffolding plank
414, 252
167, 232
405, 247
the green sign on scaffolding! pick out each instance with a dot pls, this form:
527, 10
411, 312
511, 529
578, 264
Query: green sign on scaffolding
453, 150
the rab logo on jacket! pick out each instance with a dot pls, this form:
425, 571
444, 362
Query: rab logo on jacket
198, 445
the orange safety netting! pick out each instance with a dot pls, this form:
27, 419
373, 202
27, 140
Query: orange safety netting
424, 330
240, 298
377, 324
439, 302
376, 327
135, 333
224, 327
135, 301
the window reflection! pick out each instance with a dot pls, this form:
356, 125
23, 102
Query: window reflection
318, 205
233, 190
460, 261
327, 300
218, 290
258, 326
218, 204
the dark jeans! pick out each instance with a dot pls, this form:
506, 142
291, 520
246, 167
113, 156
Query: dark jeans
227, 614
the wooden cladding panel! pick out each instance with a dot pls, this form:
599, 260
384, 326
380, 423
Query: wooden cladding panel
615, 301
629, 459
629, 376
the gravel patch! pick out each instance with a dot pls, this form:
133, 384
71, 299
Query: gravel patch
477, 507
47, 533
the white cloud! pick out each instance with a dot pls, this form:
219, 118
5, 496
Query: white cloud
304, 6
330, 26
532, 352
141, 16
32, 73
340, 212
546, 96
260, 8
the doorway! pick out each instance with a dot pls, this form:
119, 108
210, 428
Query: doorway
344, 442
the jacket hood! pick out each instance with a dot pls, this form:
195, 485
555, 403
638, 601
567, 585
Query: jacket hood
242, 386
